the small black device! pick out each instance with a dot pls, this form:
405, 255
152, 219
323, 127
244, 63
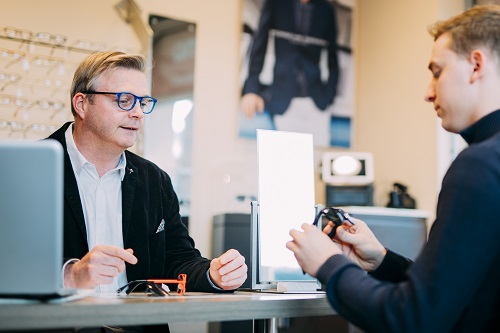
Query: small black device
399, 198
337, 215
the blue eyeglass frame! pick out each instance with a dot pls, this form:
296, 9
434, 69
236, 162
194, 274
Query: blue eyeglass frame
118, 94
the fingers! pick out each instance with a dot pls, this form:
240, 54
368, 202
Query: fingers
328, 228
230, 260
251, 103
351, 234
345, 236
229, 271
235, 277
247, 105
100, 266
260, 104
292, 246
311, 248
115, 251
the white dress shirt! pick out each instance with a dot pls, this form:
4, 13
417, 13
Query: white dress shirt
101, 199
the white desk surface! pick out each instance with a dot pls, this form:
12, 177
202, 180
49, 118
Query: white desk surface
94, 311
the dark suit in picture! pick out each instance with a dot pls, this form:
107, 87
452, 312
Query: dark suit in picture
298, 43
148, 198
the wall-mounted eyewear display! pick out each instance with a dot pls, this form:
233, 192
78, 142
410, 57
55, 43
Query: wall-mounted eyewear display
54, 40
39, 129
14, 126
11, 56
34, 80
88, 45
16, 102
7, 79
48, 38
15, 33
45, 105
48, 62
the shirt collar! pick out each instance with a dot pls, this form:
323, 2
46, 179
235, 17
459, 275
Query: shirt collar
482, 129
78, 160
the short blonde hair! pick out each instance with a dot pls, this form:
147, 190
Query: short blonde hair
477, 26
89, 70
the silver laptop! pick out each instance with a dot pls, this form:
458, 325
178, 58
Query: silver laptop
31, 219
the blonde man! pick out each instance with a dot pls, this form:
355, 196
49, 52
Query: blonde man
121, 214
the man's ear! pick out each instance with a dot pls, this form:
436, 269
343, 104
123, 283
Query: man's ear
79, 104
477, 60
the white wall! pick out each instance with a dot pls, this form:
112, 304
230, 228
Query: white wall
217, 150
391, 120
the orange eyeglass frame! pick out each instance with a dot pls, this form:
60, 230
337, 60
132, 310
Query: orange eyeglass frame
181, 283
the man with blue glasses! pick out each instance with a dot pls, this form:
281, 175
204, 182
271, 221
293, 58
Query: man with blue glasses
121, 214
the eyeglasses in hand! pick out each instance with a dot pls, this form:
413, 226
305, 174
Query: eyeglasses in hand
126, 101
336, 215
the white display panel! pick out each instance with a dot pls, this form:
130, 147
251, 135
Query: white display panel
286, 199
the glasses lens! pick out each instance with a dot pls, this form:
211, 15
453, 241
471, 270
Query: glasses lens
126, 101
147, 104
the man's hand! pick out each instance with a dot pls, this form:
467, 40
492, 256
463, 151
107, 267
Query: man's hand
228, 271
312, 248
97, 267
359, 244
251, 104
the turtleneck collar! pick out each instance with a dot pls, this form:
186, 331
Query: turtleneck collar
483, 129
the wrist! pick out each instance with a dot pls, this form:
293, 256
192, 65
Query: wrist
212, 282
380, 258
68, 278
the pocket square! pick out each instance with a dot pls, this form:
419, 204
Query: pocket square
161, 227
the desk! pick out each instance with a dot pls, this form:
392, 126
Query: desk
94, 311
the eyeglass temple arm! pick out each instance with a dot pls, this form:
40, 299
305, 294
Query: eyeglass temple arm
122, 288
318, 216
181, 279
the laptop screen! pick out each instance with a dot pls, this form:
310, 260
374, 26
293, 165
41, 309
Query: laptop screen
31, 217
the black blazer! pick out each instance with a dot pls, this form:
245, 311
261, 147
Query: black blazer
290, 56
147, 198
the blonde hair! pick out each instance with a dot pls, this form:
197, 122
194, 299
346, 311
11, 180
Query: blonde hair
89, 70
478, 26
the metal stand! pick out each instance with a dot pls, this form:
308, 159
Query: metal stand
266, 325
277, 286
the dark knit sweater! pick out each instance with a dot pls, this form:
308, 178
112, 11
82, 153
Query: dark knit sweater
454, 284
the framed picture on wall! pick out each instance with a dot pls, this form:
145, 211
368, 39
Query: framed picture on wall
297, 69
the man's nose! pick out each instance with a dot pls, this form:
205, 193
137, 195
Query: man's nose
136, 111
430, 93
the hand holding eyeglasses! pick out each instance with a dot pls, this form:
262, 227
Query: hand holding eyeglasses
335, 215
360, 245
350, 236
311, 241
311, 247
